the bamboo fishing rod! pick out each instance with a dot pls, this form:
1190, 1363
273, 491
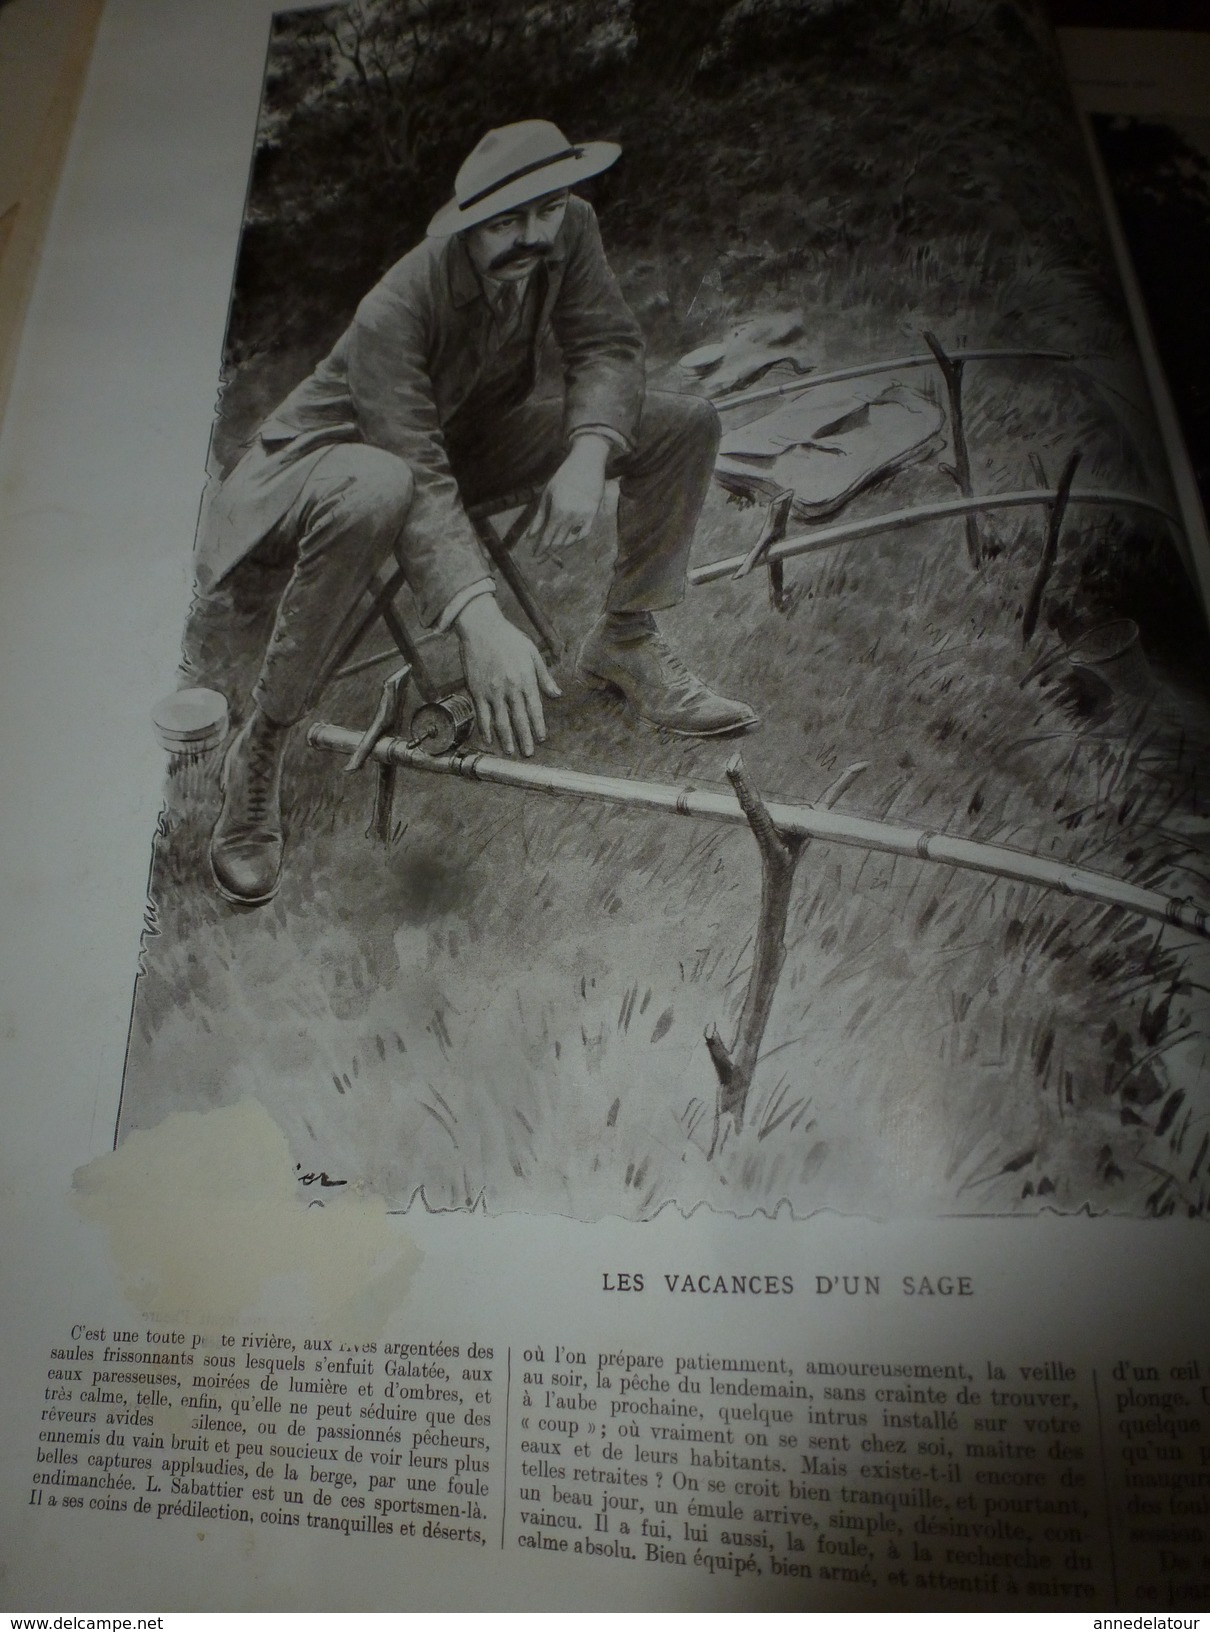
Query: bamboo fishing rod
826, 537
799, 821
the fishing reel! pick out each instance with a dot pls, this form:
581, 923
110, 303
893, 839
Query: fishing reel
442, 725
437, 727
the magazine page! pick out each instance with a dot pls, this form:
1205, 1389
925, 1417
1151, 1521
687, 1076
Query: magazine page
605, 891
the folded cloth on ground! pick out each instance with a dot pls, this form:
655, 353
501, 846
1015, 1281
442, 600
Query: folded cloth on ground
828, 444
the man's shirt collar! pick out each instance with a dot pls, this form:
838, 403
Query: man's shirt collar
465, 283
506, 299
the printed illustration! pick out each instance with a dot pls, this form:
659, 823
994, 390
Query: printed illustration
695, 693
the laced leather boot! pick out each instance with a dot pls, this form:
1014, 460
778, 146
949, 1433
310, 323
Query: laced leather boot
246, 845
627, 654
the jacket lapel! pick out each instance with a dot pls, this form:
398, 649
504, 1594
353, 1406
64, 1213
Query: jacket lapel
472, 311
553, 282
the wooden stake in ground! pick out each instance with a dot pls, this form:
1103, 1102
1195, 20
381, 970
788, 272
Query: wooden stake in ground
779, 855
387, 720
776, 516
951, 372
1055, 511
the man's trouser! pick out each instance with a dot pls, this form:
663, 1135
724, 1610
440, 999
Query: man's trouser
352, 513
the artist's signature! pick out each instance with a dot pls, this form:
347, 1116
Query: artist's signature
321, 1179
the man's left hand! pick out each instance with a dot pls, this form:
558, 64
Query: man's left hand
569, 505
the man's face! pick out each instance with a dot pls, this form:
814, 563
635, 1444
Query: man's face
509, 246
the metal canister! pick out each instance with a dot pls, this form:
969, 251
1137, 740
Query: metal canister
190, 721
441, 726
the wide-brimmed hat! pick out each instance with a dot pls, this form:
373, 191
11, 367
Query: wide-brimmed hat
513, 165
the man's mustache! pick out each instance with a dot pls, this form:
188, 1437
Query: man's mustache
519, 252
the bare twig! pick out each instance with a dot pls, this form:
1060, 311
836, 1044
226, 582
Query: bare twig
835, 790
1055, 511
951, 373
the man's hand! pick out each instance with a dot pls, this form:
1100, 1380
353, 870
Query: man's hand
505, 675
569, 505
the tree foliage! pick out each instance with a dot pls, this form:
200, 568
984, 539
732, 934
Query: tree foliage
756, 135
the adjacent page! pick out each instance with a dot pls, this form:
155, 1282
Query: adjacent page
1146, 95
44, 53
750, 1151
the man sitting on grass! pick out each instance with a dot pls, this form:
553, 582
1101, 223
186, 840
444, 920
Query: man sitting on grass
424, 406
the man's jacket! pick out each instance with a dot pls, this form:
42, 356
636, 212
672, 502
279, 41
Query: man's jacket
412, 357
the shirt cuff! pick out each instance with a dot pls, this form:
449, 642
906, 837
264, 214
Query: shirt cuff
612, 436
481, 586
